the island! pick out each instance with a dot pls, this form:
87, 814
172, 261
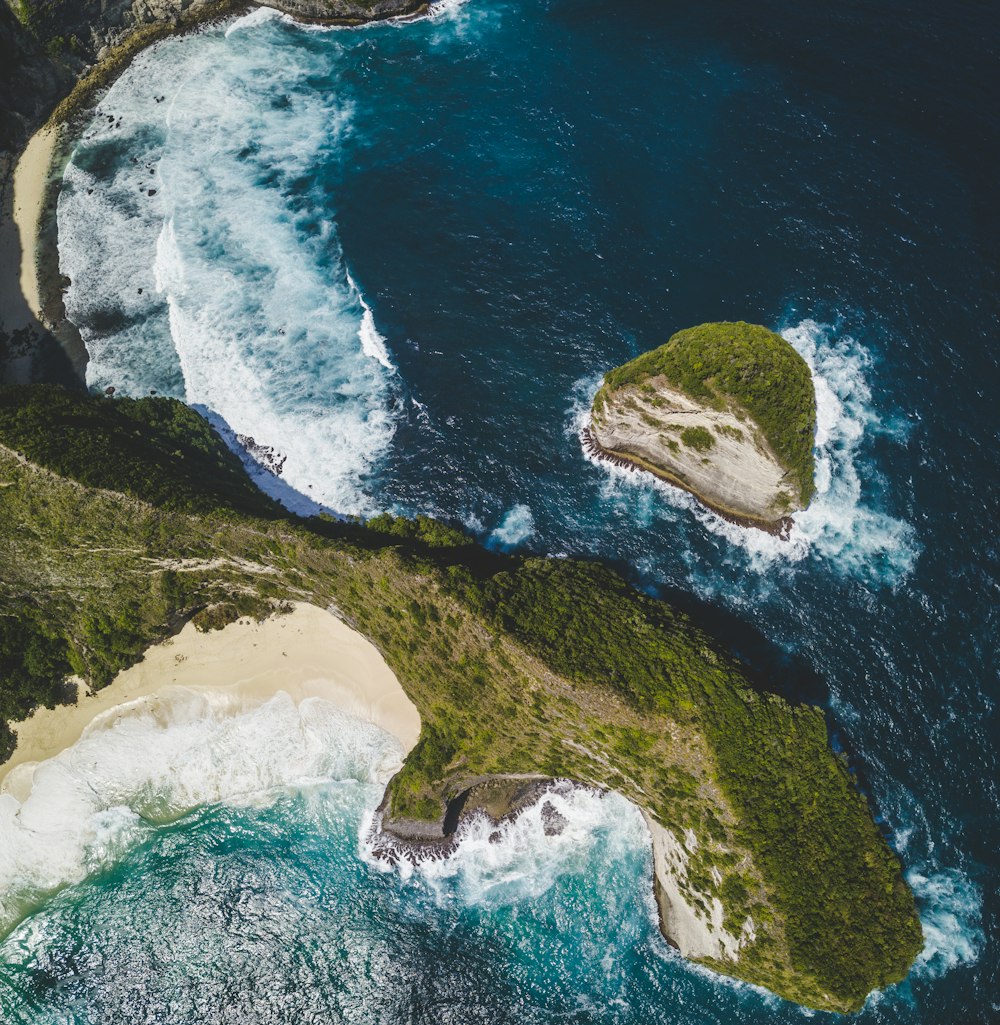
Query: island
123, 522
726, 411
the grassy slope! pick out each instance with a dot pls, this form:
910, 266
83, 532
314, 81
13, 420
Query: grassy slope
746, 363
516, 665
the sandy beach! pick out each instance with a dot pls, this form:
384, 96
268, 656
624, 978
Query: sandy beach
305, 653
31, 179
20, 222
48, 346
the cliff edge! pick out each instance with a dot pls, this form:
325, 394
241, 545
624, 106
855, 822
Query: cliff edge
726, 411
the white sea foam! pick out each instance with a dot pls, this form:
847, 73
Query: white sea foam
246, 308
951, 913
517, 860
515, 528
155, 759
843, 525
373, 345
258, 16
445, 8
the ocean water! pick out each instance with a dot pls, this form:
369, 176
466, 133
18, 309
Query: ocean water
399, 260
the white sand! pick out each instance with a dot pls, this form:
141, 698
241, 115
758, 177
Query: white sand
31, 178
305, 653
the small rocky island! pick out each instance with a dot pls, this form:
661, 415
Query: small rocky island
726, 411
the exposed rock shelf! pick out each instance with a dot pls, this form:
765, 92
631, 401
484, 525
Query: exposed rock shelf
691, 920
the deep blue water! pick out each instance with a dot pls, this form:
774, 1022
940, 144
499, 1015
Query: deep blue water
402, 257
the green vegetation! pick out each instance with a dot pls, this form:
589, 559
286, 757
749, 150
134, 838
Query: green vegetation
154, 449
517, 665
698, 438
744, 367
728, 431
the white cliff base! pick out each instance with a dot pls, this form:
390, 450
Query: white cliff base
733, 469
695, 933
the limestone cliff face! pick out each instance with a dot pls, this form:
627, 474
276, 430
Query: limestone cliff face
722, 459
725, 411
691, 919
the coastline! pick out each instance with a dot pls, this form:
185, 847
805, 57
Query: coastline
310, 653
780, 529
307, 652
31, 286
31, 187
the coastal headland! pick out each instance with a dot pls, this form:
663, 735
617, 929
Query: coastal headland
121, 520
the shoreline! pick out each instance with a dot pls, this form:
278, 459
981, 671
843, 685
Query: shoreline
780, 528
31, 186
307, 652
31, 286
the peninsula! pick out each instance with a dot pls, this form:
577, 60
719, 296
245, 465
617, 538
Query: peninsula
725, 411
123, 520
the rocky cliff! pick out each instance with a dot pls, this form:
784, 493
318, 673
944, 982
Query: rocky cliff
725, 411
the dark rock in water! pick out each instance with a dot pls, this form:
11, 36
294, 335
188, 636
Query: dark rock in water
270, 458
110, 390
152, 192
553, 821
498, 799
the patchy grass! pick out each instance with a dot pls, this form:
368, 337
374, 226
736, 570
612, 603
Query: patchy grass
698, 438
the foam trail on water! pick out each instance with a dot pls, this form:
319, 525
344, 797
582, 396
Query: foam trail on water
841, 525
156, 758
373, 344
204, 266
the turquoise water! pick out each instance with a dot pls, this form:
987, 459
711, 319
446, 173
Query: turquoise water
399, 259
271, 915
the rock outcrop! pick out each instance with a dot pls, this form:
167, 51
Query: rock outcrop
347, 12
724, 411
